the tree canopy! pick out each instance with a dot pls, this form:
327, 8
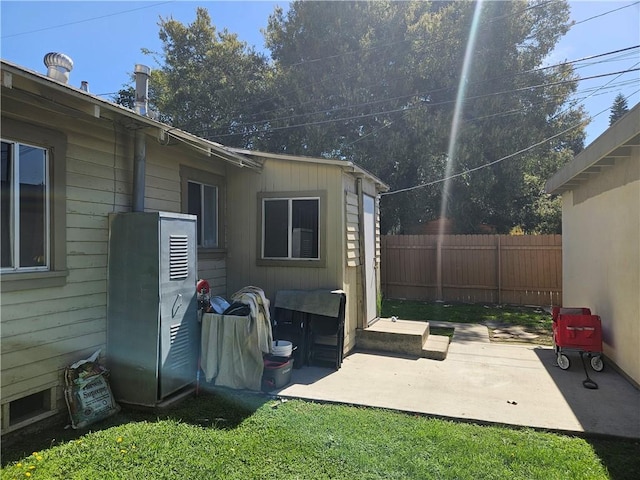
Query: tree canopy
618, 109
377, 83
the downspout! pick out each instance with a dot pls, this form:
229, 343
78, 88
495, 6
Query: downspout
142, 74
139, 161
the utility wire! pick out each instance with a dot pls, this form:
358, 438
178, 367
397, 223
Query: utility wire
431, 92
84, 20
531, 147
605, 13
443, 89
364, 50
413, 107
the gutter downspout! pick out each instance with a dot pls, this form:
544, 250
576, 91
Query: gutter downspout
142, 74
139, 164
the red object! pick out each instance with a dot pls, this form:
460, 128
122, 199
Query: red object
577, 329
202, 287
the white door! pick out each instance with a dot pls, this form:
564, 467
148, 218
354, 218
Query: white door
369, 227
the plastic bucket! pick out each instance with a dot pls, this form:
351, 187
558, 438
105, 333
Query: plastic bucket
281, 348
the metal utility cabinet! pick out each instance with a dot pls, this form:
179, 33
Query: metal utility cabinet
152, 325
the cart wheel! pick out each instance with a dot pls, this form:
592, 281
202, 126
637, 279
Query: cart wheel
563, 361
596, 363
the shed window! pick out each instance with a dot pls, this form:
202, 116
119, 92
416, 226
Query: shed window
291, 228
24, 209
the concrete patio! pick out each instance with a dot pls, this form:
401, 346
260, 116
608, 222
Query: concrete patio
483, 382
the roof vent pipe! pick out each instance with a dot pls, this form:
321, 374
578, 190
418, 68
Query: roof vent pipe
142, 73
84, 86
58, 66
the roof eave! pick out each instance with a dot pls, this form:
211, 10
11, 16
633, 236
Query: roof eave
211, 148
616, 142
344, 164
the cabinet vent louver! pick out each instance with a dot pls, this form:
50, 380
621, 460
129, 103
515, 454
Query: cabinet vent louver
178, 257
179, 351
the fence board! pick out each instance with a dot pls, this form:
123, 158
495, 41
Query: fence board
522, 270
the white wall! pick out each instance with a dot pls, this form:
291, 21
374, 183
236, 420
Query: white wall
601, 257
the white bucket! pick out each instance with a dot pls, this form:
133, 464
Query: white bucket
281, 348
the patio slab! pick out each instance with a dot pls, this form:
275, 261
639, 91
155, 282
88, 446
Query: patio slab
484, 382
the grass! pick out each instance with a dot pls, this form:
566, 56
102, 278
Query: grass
532, 319
232, 436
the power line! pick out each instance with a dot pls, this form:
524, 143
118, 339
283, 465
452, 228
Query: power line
605, 13
480, 167
426, 93
408, 108
84, 20
382, 59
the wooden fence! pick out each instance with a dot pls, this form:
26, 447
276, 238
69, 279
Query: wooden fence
504, 269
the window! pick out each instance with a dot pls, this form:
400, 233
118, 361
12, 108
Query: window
25, 208
203, 196
291, 228
33, 207
203, 202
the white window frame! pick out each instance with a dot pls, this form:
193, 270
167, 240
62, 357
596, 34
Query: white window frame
15, 210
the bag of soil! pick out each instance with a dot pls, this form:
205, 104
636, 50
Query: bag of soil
87, 392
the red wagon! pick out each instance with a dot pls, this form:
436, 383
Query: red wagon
577, 329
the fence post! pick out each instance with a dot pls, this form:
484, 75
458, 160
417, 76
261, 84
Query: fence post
385, 262
499, 273
439, 268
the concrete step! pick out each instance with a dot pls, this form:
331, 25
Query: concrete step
403, 337
436, 347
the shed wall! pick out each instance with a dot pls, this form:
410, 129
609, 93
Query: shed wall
244, 227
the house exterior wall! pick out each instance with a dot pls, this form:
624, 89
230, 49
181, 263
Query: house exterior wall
45, 329
601, 255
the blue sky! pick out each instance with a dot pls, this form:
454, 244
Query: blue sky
105, 39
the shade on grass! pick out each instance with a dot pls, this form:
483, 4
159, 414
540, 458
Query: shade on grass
300, 440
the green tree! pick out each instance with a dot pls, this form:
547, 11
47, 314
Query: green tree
376, 83
618, 109
207, 81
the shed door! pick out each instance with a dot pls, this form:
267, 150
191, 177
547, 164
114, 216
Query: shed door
369, 227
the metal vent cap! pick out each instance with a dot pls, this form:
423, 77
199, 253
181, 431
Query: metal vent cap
58, 66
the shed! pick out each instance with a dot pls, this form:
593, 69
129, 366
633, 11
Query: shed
339, 250
600, 191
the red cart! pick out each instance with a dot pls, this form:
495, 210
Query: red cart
577, 329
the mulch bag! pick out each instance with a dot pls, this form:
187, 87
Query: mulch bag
87, 392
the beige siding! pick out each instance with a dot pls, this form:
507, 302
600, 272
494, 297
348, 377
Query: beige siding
243, 226
44, 330
343, 269
214, 271
353, 229
601, 256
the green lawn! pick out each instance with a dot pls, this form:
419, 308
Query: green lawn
232, 436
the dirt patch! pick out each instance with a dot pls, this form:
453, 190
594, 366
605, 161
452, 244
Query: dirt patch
501, 333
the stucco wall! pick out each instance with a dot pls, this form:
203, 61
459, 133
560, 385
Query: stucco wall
601, 257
